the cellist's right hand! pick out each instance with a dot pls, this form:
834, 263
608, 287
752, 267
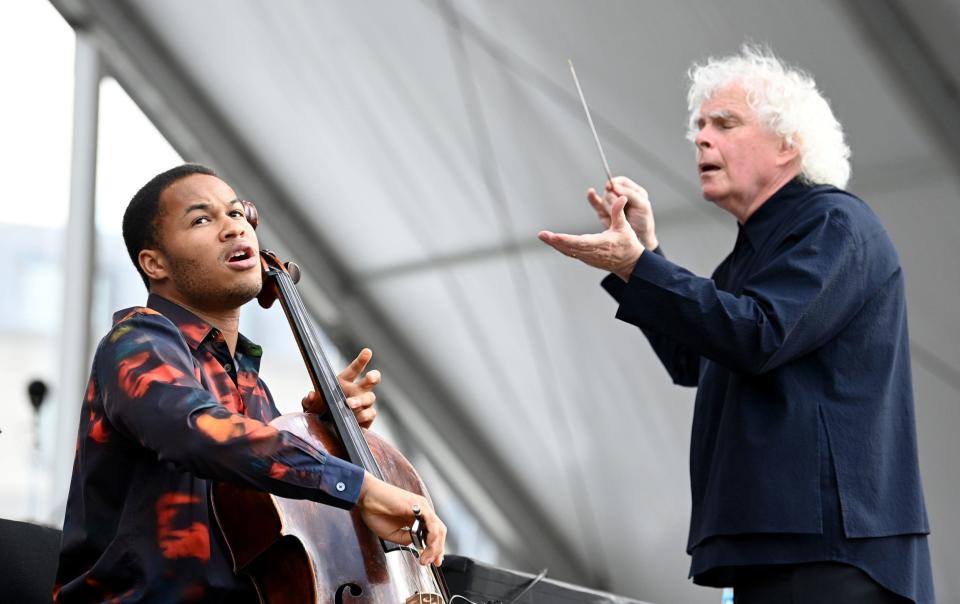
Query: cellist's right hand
388, 511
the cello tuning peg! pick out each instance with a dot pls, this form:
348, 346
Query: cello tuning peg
253, 216
294, 271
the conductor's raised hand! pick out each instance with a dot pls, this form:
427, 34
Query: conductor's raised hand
357, 386
388, 512
616, 249
639, 211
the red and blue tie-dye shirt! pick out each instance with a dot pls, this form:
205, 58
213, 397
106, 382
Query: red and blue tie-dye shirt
166, 411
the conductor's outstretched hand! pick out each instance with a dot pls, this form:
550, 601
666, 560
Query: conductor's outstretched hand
616, 249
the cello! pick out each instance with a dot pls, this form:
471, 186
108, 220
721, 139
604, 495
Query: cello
300, 551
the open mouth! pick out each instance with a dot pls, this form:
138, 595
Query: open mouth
240, 254
707, 168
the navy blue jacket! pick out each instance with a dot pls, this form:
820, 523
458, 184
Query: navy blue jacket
805, 320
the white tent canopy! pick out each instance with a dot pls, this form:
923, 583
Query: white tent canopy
407, 153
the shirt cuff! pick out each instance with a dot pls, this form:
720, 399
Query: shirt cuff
341, 480
652, 273
615, 285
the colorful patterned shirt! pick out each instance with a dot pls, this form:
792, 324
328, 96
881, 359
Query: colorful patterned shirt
167, 411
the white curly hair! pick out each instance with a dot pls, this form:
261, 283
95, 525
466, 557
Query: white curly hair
786, 99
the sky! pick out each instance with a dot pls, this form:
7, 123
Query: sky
36, 60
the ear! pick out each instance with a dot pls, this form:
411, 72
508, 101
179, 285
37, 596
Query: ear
154, 264
788, 152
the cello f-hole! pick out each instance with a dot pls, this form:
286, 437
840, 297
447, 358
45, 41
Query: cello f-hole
355, 590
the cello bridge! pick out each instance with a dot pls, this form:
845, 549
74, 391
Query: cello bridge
424, 598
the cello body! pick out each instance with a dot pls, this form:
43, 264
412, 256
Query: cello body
298, 551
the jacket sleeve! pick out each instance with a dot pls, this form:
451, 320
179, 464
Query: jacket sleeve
681, 362
810, 287
152, 394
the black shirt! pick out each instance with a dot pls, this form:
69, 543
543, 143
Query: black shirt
799, 348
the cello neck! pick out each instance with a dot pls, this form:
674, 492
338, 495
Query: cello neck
322, 375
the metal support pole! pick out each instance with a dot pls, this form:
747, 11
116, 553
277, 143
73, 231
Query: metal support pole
78, 268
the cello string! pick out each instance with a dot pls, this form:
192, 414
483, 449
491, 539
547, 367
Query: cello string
325, 374
311, 342
419, 574
417, 542
405, 552
319, 367
416, 571
337, 406
327, 386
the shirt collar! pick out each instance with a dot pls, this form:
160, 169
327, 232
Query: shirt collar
773, 211
194, 329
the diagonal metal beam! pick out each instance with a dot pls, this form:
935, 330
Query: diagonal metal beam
197, 129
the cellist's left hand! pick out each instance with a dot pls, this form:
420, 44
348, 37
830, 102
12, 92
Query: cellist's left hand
359, 390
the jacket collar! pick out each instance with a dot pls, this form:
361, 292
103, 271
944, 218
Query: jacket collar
773, 212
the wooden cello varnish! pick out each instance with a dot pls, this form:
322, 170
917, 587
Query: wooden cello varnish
299, 551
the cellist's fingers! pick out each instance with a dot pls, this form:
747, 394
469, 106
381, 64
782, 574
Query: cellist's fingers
314, 403
360, 395
363, 409
436, 538
367, 383
369, 380
356, 367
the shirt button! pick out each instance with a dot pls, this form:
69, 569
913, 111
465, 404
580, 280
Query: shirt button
228, 367
341, 487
